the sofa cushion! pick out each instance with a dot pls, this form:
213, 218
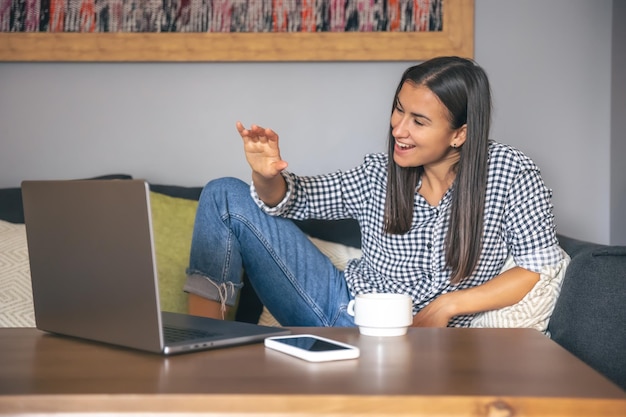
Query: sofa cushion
16, 297
189, 193
11, 206
589, 316
535, 309
172, 224
344, 231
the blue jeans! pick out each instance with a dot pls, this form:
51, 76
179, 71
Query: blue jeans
296, 282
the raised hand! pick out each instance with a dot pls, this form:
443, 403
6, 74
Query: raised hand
262, 151
263, 156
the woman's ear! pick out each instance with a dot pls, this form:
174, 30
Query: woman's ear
459, 136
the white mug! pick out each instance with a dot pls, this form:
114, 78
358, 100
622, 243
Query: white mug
382, 314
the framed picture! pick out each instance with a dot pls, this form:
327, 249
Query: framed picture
454, 36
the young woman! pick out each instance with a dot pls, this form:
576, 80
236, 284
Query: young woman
439, 214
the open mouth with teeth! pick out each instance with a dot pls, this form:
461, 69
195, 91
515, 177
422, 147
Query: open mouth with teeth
403, 146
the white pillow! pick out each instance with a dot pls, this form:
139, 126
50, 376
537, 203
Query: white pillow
535, 309
16, 297
338, 254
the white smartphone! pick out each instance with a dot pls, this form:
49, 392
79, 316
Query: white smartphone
312, 348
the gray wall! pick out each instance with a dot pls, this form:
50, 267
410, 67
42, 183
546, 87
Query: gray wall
549, 63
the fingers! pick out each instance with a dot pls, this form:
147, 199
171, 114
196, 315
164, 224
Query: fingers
256, 133
262, 150
240, 128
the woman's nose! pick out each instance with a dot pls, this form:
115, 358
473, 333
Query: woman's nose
399, 129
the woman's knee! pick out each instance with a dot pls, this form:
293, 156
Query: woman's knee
225, 193
227, 186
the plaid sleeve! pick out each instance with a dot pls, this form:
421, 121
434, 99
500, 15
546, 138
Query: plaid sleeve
337, 195
531, 232
278, 209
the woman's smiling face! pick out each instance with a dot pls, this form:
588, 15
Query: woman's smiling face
420, 125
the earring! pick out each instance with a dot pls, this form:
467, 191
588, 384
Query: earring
454, 145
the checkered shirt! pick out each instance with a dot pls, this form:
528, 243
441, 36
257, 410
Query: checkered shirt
518, 220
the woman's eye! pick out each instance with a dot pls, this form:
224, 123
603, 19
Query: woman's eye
417, 122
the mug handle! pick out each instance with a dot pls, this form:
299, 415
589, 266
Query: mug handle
350, 308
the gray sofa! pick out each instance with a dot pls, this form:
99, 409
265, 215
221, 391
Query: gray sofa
589, 319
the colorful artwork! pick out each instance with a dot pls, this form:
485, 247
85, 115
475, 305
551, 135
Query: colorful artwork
221, 16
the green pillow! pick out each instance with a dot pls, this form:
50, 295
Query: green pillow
172, 225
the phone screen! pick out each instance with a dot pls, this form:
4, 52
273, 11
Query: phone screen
311, 344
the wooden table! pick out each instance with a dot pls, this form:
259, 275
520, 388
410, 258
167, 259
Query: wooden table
494, 372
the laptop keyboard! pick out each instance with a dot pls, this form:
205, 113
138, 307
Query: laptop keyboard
175, 334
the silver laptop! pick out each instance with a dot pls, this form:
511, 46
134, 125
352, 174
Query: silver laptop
93, 270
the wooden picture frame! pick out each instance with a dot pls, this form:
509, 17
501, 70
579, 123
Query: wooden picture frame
457, 38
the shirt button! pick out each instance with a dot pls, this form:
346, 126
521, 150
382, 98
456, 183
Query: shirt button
429, 245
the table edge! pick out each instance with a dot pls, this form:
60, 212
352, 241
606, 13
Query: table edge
304, 405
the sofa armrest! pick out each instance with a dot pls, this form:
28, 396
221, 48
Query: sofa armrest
589, 316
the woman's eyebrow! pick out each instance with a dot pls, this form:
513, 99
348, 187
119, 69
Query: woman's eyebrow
416, 115
421, 116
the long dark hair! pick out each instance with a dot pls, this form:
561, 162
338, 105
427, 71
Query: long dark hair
463, 88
